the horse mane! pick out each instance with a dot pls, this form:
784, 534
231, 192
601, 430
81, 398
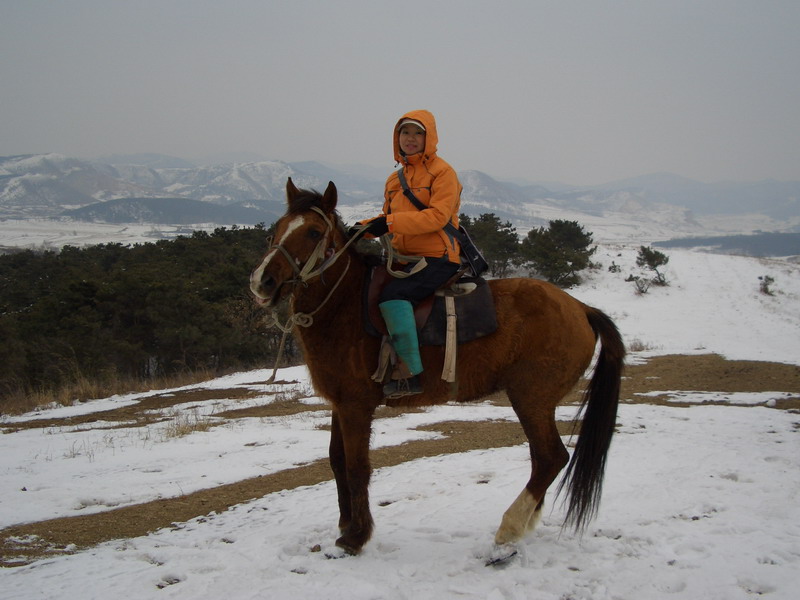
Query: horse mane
305, 200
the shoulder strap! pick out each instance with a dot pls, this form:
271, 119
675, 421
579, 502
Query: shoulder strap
407, 191
449, 228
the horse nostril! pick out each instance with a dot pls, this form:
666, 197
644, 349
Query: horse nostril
261, 283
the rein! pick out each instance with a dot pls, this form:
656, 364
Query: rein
298, 319
302, 276
310, 271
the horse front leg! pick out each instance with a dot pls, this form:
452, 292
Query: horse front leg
339, 468
349, 455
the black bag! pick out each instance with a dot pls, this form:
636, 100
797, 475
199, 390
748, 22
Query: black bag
470, 253
471, 257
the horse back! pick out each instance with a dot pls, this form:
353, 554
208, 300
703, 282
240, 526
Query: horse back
540, 309
544, 342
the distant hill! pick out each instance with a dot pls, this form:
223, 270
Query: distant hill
776, 199
760, 244
152, 160
44, 185
175, 211
149, 188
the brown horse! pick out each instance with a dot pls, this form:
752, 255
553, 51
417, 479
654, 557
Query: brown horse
544, 343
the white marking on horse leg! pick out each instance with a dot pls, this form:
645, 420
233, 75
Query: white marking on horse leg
517, 519
534, 519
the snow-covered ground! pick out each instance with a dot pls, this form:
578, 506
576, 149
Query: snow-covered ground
52, 234
700, 502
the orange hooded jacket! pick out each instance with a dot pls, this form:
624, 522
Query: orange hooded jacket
435, 183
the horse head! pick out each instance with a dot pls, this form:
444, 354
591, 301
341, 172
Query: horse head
304, 244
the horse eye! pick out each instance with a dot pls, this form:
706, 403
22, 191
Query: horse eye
314, 234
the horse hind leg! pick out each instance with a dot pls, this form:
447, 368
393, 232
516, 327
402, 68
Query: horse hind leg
536, 516
548, 457
519, 519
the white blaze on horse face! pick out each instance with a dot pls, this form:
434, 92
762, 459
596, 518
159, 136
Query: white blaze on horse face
291, 228
258, 274
296, 223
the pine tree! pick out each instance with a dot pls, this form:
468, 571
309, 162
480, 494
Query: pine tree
653, 260
497, 241
144, 310
559, 252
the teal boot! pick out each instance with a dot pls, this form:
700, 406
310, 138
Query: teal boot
399, 317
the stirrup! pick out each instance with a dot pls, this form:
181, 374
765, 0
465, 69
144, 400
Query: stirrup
402, 387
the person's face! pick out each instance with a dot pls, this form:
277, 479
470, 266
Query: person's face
412, 139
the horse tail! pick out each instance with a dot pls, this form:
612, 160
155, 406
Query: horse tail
583, 478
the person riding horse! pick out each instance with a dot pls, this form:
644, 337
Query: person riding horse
417, 233
544, 342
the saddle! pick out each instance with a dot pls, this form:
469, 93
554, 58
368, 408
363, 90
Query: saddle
458, 312
474, 305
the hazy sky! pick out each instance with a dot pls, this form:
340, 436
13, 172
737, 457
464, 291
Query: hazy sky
579, 92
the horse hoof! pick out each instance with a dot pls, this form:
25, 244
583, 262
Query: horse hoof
336, 553
501, 555
349, 548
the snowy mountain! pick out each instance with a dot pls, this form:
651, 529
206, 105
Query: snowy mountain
650, 208
777, 199
176, 211
46, 185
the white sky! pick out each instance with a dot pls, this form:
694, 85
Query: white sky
579, 92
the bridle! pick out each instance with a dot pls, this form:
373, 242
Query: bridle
302, 276
311, 269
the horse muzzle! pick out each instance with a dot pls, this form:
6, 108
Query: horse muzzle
266, 287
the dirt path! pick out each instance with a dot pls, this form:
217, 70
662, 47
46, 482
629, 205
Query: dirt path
23, 543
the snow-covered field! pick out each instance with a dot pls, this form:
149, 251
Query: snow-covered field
52, 234
700, 502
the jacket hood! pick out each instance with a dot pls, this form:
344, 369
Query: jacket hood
431, 137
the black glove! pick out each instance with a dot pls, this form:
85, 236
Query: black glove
376, 227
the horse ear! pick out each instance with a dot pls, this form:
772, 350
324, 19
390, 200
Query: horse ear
330, 198
291, 191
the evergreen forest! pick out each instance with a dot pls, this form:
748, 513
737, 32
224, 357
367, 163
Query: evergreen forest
138, 312
112, 314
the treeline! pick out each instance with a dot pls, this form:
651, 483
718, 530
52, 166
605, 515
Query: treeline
557, 253
145, 311
112, 312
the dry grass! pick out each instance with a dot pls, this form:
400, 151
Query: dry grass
82, 389
183, 423
637, 345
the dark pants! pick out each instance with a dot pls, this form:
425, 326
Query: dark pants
419, 286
